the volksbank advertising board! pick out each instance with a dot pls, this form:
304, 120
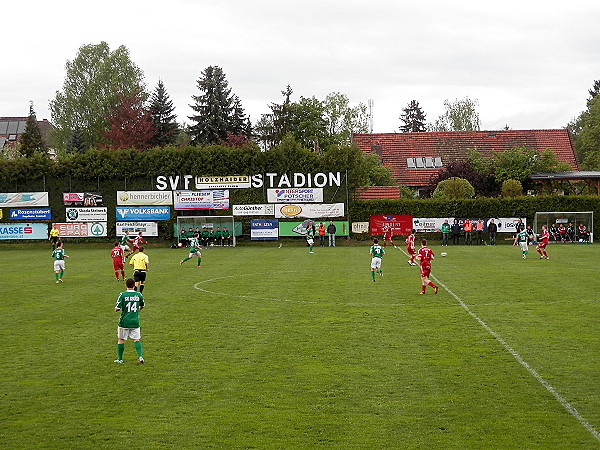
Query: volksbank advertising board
30, 214
142, 213
23, 231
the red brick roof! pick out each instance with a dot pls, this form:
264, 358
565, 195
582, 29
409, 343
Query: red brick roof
378, 192
395, 148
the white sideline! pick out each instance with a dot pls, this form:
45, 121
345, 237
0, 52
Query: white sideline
564, 403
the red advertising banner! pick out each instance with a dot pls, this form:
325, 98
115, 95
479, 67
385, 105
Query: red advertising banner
399, 224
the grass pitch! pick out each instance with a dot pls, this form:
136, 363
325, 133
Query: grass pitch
267, 347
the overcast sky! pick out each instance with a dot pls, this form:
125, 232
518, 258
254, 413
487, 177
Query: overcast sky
529, 64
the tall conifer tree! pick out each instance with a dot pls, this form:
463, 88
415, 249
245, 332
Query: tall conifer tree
31, 140
161, 108
413, 118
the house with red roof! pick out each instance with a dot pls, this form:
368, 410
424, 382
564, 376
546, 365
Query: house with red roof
11, 129
414, 158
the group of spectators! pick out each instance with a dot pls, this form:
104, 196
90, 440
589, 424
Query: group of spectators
561, 233
470, 230
206, 237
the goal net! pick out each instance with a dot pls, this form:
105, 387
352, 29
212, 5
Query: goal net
566, 226
209, 223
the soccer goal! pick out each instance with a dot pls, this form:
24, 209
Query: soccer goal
566, 226
209, 223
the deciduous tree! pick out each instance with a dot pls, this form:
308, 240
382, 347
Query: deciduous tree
130, 125
460, 115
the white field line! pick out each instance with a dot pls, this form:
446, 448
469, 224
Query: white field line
564, 403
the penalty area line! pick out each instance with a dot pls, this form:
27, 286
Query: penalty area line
563, 402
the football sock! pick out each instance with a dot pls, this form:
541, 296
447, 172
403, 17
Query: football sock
62, 272
199, 261
141, 288
56, 275
123, 274
423, 288
117, 274
431, 284
120, 349
138, 348
373, 274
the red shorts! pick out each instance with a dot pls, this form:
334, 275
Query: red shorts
411, 251
118, 265
542, 245
425, 270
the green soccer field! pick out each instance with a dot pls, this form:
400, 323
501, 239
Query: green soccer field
267, 347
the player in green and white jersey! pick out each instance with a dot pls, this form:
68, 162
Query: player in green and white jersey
522, 238
130, 303
125, 241
194, 250
59, 255
376, 253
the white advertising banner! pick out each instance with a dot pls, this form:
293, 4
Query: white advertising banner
98, 214
226, 182
310, 211
144, 198
295, 195
434, 224
253, 210
147, 228
360, 227
89, 229
23, 199
218, 199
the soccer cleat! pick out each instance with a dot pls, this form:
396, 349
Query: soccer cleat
380, 273
60, 280
198, 266
141, 360
310, 252
395, 246
421, 293
120, 361
409, 263
435, 289
181, 262
547, 257
57, 281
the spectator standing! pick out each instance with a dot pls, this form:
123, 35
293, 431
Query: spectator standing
479, 226
445, 233
468, 227
321, 232
492, 230
456, 228
331, 230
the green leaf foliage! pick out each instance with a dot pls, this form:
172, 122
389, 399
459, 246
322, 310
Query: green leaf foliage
453, 188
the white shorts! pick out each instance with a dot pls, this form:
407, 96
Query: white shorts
124, 333
375, 262
124, 247
59, 265
310, 241
197, 254
523, 246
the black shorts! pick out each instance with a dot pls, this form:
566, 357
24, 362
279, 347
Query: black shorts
139, 275
54, 239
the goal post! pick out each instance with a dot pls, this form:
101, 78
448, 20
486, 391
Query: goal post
210, 222
575, 219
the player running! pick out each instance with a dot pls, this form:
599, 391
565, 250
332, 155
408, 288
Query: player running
125, 241
521, 238
376, 253
541, 247
410, 248
194, 250
117, 254
387, 236
136, 243
425, 256
59, 256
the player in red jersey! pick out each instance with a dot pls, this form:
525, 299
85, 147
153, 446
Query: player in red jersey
117, 255
136, 244
541, 247
425, 256
410, 248
387, 236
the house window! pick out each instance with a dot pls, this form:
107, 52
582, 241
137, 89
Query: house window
12, 137
427, 162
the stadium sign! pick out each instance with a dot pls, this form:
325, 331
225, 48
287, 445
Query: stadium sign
229, 182
399, 224
23, 231
86, 214
142, 213
82, 230
264, 229
310, 211
30, 214
147, 228
295, 195
217, 199
82, 198
138, 198
270, 180
253, 210
23, 199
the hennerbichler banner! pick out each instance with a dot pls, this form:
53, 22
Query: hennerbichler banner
217, 199
86, 214
253, 210
295, 195
143, 198
264, 229
433, 225
82, 198
23, 199
310, 211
